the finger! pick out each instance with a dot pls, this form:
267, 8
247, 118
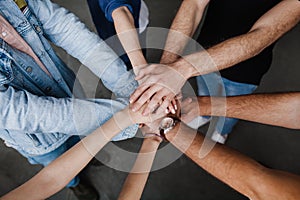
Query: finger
178, 107
144, 98
173, 106
138, 92
154, 103
163, 107
179, 96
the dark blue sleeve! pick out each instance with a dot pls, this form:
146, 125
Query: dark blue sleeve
108, 6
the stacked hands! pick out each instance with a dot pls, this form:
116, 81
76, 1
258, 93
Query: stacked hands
159, 87
158, 95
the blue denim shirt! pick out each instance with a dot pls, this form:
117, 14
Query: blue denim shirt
39, 112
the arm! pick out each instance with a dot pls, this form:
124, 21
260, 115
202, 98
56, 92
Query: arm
23, 111
125, 28
274, 109
56, 175
264, 32
182, 29
136, 180
238, 171
65, 30
270, 27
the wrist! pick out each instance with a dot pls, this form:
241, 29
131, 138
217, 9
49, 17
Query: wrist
166, 125
154, 137
204, 104
123, 118
184, 68
172, 133
137, 59
168, 58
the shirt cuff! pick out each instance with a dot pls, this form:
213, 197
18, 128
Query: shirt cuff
114, 5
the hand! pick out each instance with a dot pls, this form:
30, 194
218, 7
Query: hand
149, 132
189, 109
137, 117
157, 81
137, 69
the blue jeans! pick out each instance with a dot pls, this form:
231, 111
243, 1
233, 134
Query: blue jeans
46, 159
214, 85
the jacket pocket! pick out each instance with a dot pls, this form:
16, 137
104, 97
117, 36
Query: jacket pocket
6, 73
34, 139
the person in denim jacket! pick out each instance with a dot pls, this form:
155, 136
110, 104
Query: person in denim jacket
43, 107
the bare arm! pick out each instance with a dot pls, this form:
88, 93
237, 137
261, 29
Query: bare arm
282, 109
238, 171
136, 180
124, 25
264, 32
183, 27
56, 175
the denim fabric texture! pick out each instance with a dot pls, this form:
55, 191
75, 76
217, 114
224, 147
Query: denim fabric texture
39, 112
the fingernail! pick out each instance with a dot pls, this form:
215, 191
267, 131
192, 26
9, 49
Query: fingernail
167, 111
175, 107
173, 111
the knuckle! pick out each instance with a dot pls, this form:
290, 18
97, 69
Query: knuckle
156, 99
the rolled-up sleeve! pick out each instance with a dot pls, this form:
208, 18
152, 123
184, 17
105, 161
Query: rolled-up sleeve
25, 112
108, 6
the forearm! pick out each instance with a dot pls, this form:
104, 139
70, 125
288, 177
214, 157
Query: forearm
25, 112
238, 171
65, 30
273, 109
127, 33
56, 175
136, 180
182, 29
264, 32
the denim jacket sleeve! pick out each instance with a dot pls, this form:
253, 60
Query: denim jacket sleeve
108, 6
25, 112
64, 29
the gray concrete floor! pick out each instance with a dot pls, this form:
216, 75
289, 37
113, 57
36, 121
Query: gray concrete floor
272, 146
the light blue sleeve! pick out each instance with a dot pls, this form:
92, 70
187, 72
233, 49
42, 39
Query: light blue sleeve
23, 111
65, 30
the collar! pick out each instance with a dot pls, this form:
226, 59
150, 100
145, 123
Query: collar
12, 37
